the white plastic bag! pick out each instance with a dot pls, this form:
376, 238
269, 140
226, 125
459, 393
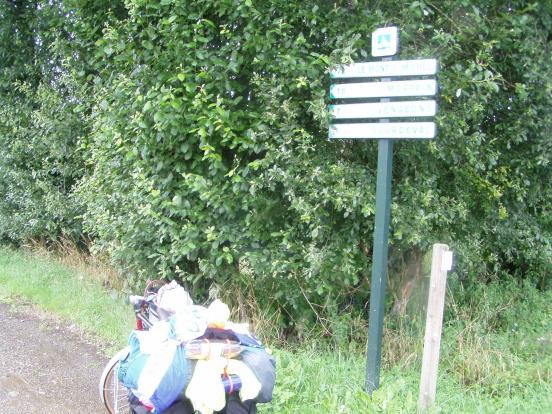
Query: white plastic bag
173, 298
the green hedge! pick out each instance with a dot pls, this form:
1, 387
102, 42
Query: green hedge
206, 154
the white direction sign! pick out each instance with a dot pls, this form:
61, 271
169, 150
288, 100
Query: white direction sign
402, 109
391, 130
414, 67
425, 87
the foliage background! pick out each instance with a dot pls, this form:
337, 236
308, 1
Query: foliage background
188, 139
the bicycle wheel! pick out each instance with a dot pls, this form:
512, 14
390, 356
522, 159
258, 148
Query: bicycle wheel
113, 394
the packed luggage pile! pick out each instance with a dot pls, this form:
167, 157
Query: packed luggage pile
194, 359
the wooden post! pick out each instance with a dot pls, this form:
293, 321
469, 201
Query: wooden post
440, 265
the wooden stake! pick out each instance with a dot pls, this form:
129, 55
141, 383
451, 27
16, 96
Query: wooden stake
440, 265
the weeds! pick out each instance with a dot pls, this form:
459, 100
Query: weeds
67, 253
496, 354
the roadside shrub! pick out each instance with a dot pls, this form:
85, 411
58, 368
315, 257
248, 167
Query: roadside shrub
40, 164
209, 158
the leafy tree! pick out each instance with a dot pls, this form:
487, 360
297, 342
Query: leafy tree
43, 105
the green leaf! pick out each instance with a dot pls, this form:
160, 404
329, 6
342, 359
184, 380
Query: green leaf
177, 200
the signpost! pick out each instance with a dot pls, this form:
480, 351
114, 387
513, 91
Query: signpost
412, 120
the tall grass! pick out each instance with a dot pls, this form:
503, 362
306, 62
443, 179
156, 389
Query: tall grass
496, 357
496, 354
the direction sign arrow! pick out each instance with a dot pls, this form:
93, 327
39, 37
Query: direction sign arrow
385, 69
403, 109
426, 87
389, 130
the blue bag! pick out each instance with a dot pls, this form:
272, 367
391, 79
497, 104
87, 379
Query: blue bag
170, 378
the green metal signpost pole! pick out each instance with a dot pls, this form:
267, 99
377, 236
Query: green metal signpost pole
379, 257
379, 263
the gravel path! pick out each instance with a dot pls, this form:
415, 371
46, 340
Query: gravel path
46, 367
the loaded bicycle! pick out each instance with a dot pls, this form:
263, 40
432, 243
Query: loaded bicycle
232, 347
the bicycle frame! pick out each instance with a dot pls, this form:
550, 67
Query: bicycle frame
146, 313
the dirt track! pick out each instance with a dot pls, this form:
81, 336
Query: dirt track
46, 367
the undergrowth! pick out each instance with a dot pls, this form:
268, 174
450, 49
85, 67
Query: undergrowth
496, 349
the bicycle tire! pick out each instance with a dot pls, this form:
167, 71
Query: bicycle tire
113, 393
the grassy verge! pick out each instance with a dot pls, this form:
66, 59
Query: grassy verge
68, 292
496, 352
